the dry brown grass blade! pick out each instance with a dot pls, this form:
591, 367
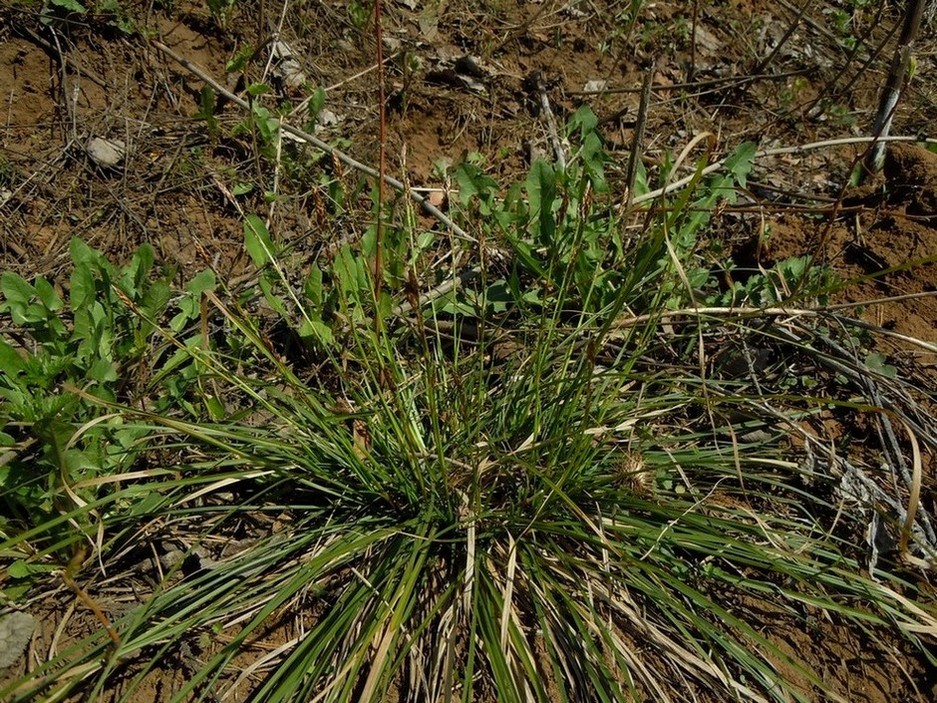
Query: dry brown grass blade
914, 499
508, 595
707, 670
743, 311
377, 663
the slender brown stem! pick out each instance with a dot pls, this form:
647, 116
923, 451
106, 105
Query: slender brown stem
68, 574
914, 500
382, 134
691, 69
724, 82
637, 138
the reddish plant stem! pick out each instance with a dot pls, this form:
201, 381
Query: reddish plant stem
382, 133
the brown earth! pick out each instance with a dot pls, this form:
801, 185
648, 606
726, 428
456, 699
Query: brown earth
65, 82
885, 243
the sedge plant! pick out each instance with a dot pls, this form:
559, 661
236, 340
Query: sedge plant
535, 488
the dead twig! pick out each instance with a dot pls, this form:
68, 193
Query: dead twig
779, 151
637, 136
815, 107
725, 81
350, 161
559, 145
914, 499
304, 136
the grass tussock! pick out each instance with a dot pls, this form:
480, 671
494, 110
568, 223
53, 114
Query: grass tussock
566, 479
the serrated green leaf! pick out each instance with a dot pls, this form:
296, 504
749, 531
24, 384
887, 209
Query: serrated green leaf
593, 159
877, 362
82, 289
83, 255
102, 371
206, 104
156, 299
202, 282
349, 271
138, 270
256, 89
239, 62
214, 406
473, 182
316, 103
316, 332
425, 240
385, 305
272, 299
48, 296
14, 593
740, 163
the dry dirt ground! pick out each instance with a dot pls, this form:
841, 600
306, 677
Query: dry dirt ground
730, 68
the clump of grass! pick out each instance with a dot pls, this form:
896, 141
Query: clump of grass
537, 488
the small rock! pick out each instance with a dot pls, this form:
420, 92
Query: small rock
469, 66
596, 86
171, 559
437, 199
106, 153
707, 42
327, 118
16, 629
287, 69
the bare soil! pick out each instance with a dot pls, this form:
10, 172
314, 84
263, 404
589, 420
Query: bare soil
730, 70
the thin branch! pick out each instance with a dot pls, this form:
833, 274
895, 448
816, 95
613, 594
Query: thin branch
894, 85
304, 136
725, 81
559, 150
75, 66
780, 151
